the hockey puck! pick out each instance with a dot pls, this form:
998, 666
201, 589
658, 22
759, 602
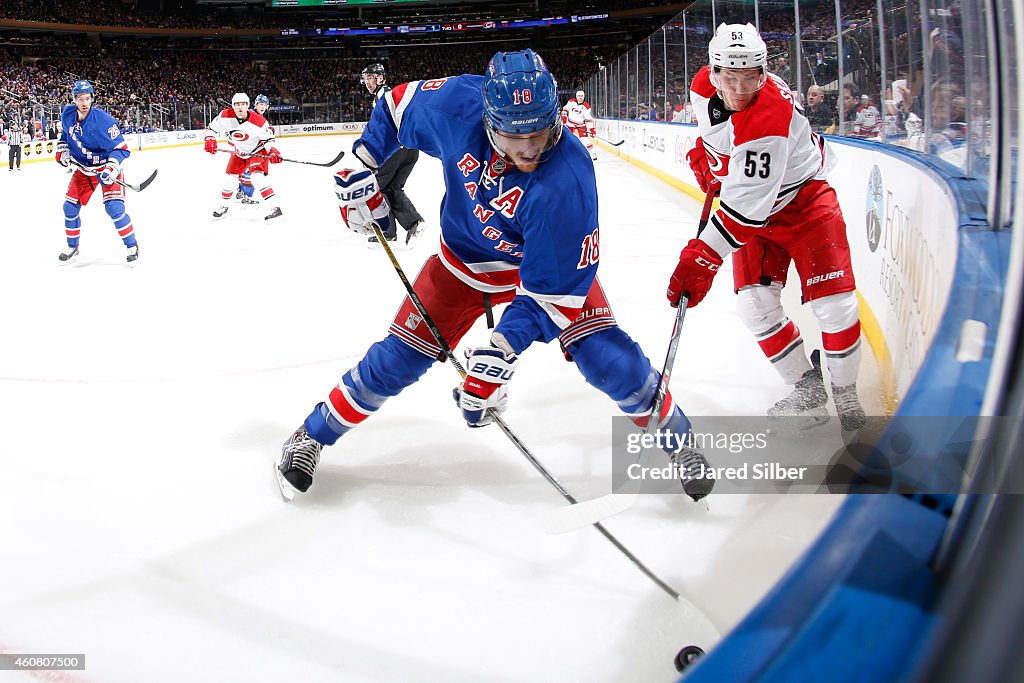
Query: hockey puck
687, 656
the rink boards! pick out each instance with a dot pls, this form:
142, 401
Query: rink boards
930, 277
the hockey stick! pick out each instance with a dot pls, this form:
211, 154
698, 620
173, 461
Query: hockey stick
613, 144
579, 515
328, 164
496, 417
138, 188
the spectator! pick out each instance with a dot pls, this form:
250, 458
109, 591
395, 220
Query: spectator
820, 115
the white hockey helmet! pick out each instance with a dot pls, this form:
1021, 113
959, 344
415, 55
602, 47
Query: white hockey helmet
239, 97
737, 46
580, 96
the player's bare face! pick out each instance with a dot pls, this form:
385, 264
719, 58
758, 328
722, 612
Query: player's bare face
372, 82
83, 103
261, 108
241, 109
524, 150
738, 87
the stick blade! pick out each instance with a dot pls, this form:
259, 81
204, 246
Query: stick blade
145, 183
587, 512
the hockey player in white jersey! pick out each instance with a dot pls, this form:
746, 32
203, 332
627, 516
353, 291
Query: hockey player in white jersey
756, 150
253, 149
245, 189
577, 116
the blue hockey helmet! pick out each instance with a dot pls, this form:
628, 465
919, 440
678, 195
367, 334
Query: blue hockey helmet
262, 99
520, 96
80, 87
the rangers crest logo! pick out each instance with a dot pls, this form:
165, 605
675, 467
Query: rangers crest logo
413, 321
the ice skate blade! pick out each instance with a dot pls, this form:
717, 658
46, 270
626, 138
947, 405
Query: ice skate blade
287, 490
849, 437
809, 420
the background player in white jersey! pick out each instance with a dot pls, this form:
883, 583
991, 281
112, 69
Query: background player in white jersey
519, 225
245, 189
253, 147
576, 114
757, 150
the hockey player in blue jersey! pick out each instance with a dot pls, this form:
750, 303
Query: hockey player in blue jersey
91, 140
519, 225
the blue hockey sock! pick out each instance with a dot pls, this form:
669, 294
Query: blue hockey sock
388, 367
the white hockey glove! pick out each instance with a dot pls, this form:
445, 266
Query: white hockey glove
63, 154
362, 204
108, 174
488, 370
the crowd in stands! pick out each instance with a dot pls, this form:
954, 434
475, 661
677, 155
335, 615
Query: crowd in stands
178, 83
130, 79
118, 13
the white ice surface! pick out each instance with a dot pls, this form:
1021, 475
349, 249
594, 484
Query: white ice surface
140, 411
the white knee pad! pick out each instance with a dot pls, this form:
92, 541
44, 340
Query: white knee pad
230, 183
837, 312
260, 181
760, 307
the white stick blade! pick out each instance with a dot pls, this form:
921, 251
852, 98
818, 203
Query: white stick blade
587, 512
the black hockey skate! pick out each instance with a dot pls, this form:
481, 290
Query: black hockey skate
67, 256
274, 214
299, 458
849, 409
807, 402
248, 201
374, 243
220, 211
133, 255
694, 473
413, 233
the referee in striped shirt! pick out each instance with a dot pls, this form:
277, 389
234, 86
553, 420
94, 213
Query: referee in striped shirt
15, 138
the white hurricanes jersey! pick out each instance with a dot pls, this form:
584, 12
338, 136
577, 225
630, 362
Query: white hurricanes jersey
868, 122
762, 155
577, 114
247, 137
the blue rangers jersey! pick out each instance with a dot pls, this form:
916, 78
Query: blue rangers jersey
94, 139
501, 228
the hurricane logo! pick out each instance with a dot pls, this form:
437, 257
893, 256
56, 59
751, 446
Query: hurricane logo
875, 208
716, 160
238, 135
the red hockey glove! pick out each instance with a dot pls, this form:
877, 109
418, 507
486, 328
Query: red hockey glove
698, 264
63, 155
488, 370
698, 158
211, 144
274, 155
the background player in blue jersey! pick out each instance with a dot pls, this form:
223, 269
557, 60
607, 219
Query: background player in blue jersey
91, 138
518, 226
245, 188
